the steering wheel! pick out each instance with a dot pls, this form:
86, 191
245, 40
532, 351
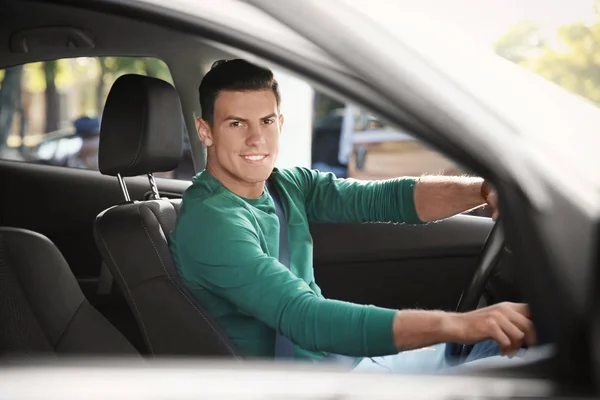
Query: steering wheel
469, 300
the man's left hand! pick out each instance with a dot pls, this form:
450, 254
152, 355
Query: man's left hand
491, 199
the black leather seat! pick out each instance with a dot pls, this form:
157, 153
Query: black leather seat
142, 133
42, 308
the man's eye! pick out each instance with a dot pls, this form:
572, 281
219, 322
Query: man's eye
268, 121
235, 124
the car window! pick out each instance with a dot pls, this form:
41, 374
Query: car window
354, 143
51, 111
351, 142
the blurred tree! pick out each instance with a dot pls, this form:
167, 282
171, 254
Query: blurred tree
10, 100
520, 43
49, 77
571, 60
52, 96
157, 69
100, 95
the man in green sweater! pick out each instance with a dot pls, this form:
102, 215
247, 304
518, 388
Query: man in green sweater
226, 242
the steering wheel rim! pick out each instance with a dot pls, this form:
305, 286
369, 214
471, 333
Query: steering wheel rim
469, 300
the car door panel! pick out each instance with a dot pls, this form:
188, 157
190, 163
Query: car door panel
396, 265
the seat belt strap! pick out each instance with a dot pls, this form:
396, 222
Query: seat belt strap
284, 348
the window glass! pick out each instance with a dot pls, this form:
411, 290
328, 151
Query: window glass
51, 111
353, 143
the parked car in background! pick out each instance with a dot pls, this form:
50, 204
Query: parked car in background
55, 148
63, 148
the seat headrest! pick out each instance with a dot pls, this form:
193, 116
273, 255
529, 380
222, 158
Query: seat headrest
142, 127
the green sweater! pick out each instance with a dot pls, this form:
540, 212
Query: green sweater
226, 249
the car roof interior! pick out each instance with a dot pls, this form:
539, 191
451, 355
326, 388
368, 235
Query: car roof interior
109, 35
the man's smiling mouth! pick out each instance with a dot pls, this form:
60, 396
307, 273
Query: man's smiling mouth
254, 157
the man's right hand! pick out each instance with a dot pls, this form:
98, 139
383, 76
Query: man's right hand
506, 323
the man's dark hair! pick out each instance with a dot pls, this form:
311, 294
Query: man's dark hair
234, 75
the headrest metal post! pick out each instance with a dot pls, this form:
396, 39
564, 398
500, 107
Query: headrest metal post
123, 187
153, 187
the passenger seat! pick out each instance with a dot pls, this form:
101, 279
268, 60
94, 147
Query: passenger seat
42, 308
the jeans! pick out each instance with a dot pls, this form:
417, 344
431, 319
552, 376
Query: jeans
430, 359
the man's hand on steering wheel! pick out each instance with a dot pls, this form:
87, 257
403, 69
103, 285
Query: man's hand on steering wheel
491, 199
506, 323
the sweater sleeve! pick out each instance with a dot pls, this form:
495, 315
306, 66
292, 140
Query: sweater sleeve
329, 199
229, 261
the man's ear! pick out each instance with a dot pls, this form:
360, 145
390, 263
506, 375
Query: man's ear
204, 132
281, 120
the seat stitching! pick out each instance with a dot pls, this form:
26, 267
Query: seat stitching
177, 286
143, 282
69, 323
129, 292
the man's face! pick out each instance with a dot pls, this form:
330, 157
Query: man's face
243, 142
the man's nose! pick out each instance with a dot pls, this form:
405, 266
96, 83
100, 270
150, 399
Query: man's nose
255, 137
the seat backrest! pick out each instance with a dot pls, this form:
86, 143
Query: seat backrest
42, 308
141, 134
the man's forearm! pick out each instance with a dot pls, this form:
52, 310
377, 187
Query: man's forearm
439, 197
